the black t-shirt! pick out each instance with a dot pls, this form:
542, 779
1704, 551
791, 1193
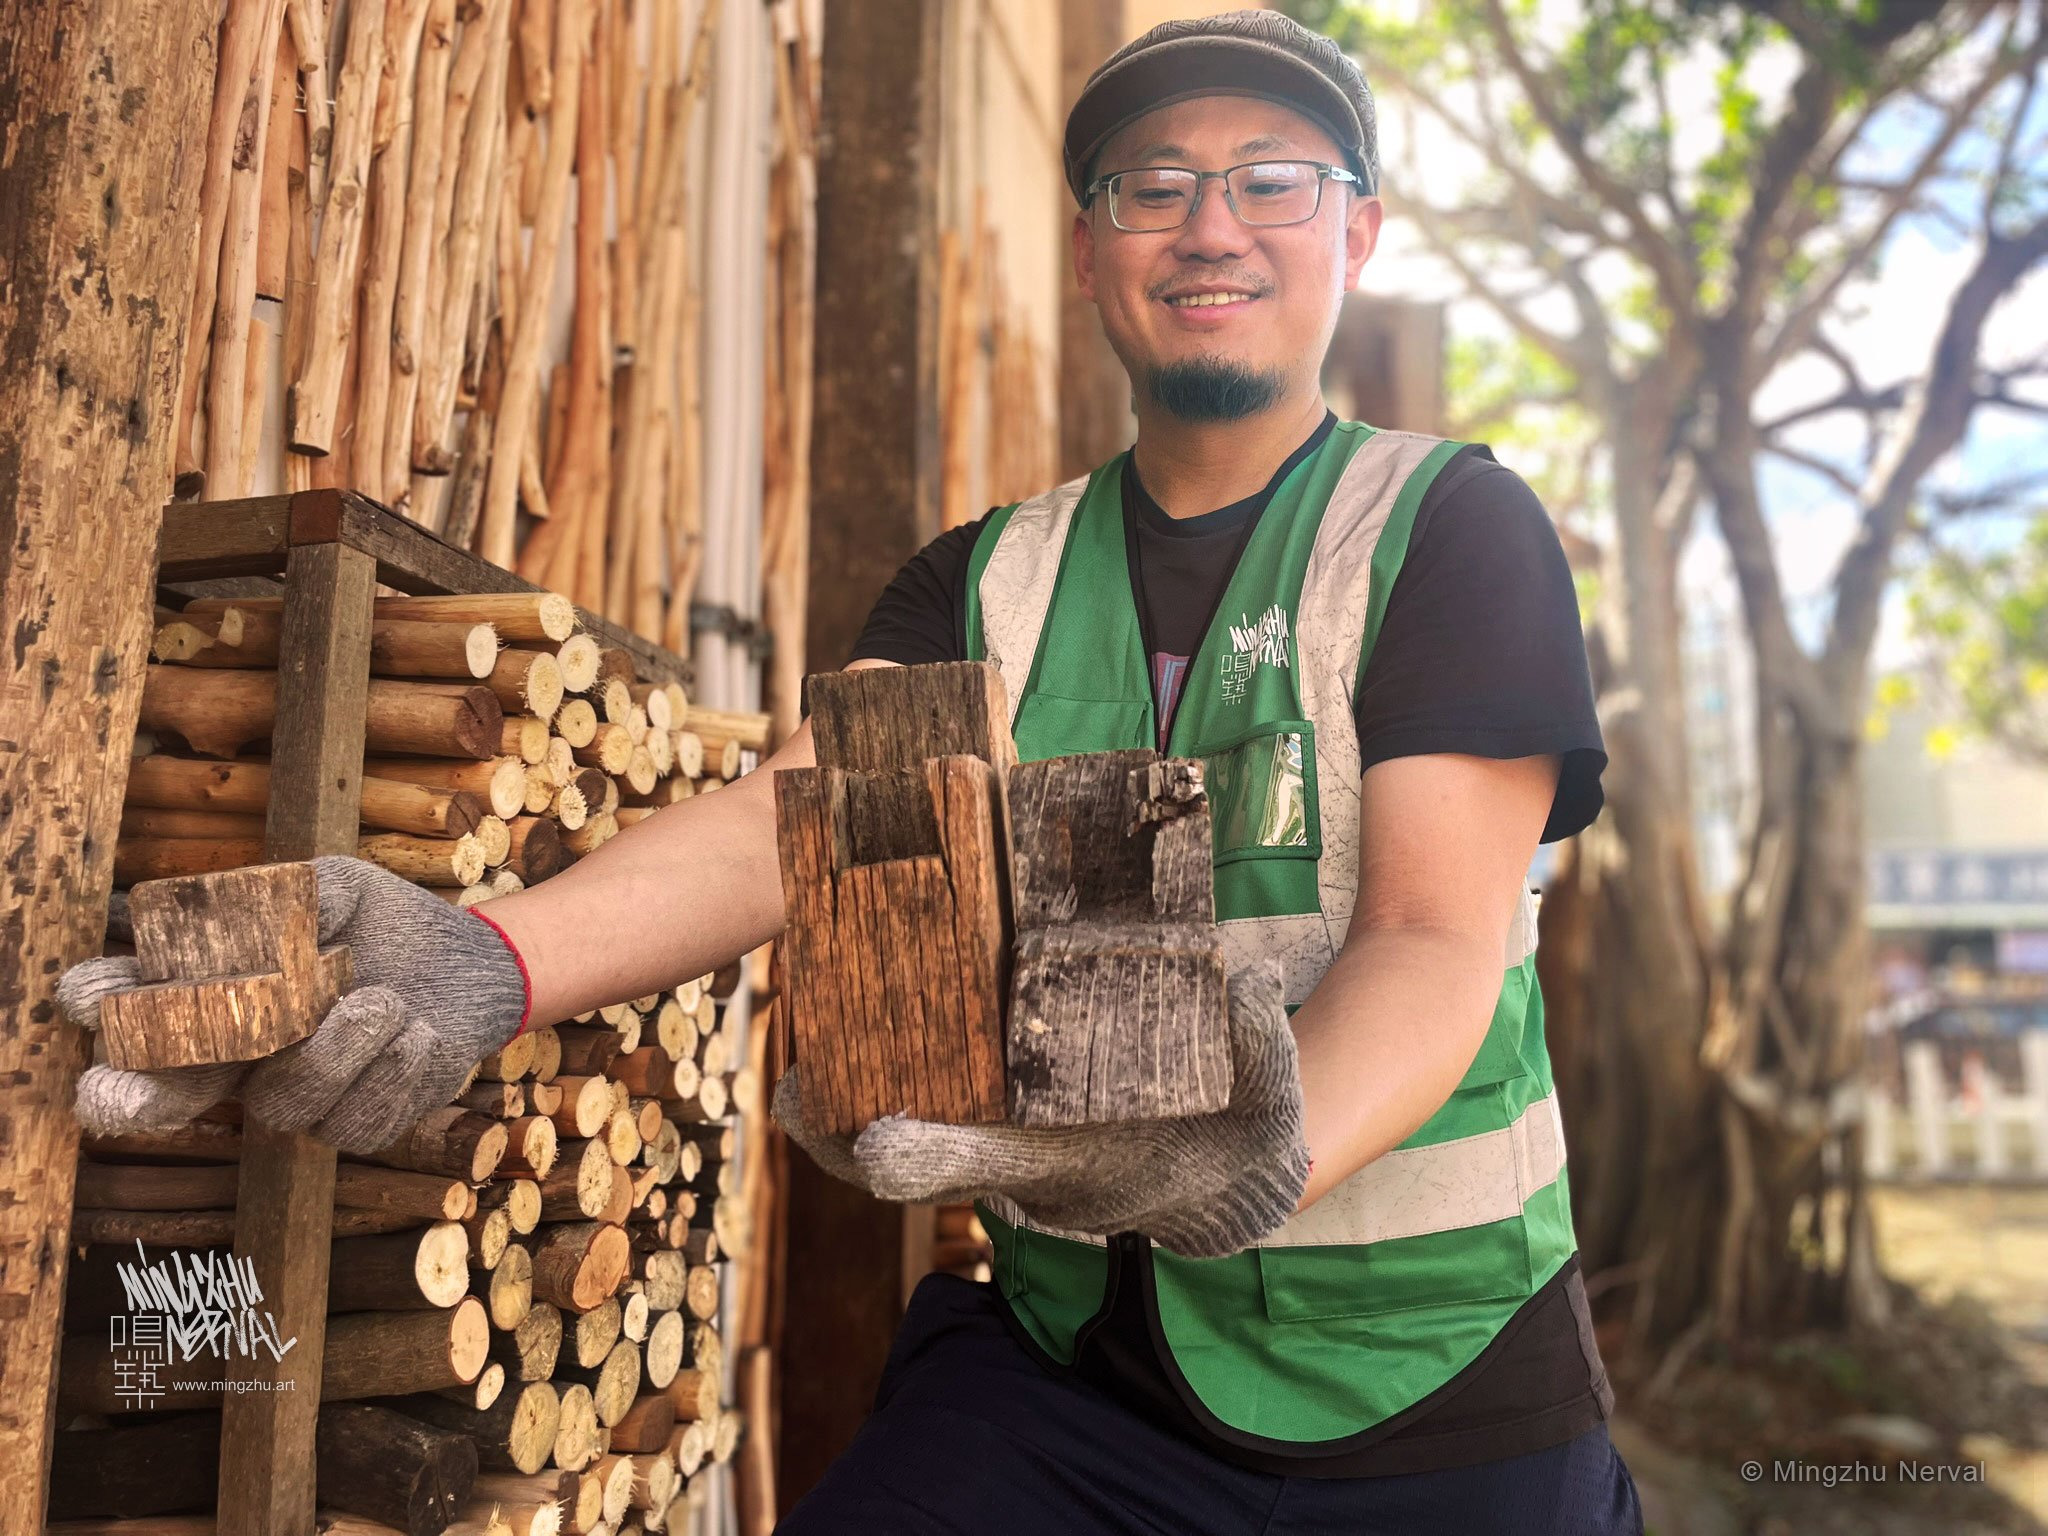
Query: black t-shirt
1481, 653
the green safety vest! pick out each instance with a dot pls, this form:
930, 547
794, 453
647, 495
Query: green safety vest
1395, 1280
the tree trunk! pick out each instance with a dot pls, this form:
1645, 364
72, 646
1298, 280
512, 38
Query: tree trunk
103, 108
1697, 1061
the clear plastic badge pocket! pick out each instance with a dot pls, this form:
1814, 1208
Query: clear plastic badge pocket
1262, 794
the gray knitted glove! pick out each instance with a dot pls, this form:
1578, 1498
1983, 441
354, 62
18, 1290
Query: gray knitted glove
436, 990
1202, 1185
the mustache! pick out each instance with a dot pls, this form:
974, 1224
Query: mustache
1260, 286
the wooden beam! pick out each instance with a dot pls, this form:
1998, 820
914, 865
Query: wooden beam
103, 108
875, 442
284, 1209
255, 537
875, 501
1094, 392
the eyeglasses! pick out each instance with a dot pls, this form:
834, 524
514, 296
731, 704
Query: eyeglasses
1262, 193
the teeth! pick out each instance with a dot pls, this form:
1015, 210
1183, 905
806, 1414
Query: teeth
1195, 300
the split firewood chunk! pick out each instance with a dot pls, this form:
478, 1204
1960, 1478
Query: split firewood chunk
1117, 1002
893, 861
231, 966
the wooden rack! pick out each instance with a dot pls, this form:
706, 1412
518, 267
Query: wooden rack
331, 549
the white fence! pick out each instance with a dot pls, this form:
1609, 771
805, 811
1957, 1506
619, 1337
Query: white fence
1973, 1127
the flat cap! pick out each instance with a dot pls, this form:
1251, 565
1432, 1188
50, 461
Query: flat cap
1254, 53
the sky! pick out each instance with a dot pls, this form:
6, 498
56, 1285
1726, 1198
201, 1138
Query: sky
1887, 327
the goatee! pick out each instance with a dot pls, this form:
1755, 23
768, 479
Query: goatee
1213, 389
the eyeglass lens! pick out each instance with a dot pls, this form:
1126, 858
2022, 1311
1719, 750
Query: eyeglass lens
1270, 192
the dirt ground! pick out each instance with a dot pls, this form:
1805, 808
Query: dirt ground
1950, 1407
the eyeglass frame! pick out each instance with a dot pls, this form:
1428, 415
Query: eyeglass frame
1325, 172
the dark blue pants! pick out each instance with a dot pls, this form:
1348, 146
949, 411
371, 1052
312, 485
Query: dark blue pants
970, 1434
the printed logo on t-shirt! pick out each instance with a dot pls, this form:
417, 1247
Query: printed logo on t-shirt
1253, 644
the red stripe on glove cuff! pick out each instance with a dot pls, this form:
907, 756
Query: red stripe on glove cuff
525, 980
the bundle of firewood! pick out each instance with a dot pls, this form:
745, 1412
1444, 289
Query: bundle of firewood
523, 1291
501, 743
525, 1288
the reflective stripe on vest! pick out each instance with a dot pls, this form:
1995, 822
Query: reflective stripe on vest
1472, 1208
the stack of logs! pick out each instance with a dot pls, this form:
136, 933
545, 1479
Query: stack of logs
501, 743
525, 1288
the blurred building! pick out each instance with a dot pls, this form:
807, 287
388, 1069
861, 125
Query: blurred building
1958, 882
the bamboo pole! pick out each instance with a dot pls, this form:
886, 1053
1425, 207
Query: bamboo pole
431, 350
226, 400
315, 395
523, 362
273, 226
391, 159
308, 22
411, 295
482, 145
241, 36
517, 616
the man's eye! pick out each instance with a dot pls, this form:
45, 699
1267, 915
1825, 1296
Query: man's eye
1270, 188
1158, 197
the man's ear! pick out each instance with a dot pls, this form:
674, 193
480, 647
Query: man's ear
1084, 254
1361, 234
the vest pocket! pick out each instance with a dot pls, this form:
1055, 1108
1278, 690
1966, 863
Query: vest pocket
1049, 725
1262, 793
1439, 1269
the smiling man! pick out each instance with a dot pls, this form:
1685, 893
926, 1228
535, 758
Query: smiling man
1349, 1301
1364, 1314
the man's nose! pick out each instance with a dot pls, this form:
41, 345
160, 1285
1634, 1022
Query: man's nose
1213, 232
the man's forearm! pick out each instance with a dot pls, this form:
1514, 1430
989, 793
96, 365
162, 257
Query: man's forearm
676, 895
1383, 1041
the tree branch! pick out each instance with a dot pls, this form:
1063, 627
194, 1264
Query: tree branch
1936, 412
1834, 473
1675, 279
1804, 316
1579, 353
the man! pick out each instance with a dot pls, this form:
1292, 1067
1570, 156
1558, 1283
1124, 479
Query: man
1350, 1301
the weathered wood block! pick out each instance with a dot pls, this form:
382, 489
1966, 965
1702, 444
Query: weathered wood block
896, 717
1117, 1005
892, 874
233, 966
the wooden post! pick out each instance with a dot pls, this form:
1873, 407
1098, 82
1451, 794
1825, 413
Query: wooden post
1094, 393
1927, 1103
105, 112
874, 488
285, 1207
2034, 1088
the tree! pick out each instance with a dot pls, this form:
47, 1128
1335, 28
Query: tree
1706, 1058
1985, 618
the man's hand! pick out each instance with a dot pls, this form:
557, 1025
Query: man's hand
1202, 1185
437, 989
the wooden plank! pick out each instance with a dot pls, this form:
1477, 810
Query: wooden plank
105, 113
254, 536
284, 1215
415, 559
248, 537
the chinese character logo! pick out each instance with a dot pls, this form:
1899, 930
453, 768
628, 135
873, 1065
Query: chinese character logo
183, 1306
1253, 644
